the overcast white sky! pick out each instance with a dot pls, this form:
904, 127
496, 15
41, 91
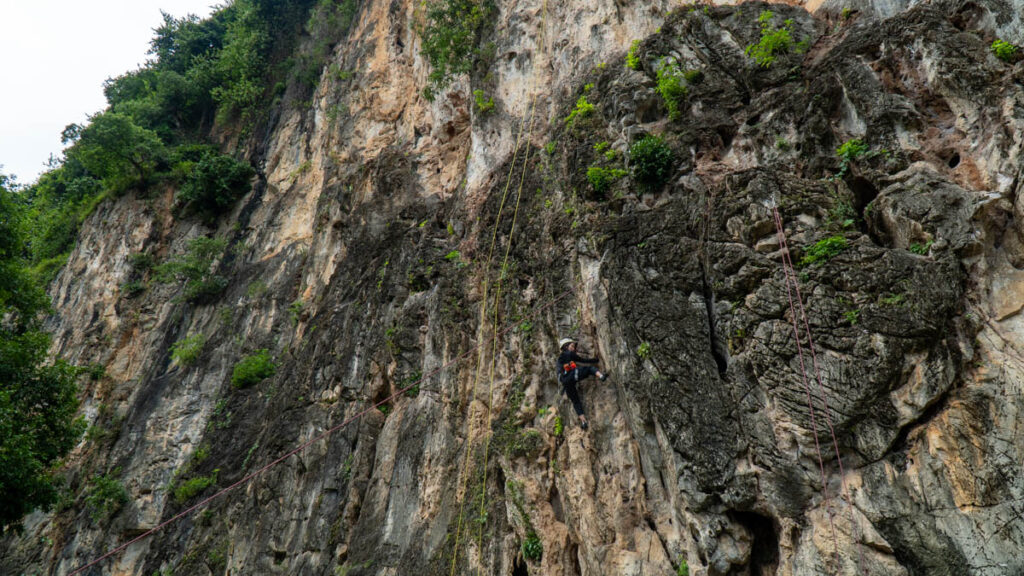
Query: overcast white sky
54, 57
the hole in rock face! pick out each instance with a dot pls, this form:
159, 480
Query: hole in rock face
574, 553
863, 193
764, 553
753, 120
954, 160
519, 568
279, 557
556, 505
968, 17
726, 133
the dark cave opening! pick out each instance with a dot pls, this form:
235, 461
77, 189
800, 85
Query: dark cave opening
519, 567
864, 192
764, 553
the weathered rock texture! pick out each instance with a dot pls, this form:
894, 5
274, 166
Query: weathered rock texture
703, 448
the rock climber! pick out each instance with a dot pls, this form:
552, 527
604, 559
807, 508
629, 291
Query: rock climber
570, 374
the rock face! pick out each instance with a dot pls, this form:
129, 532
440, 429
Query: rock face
402, 239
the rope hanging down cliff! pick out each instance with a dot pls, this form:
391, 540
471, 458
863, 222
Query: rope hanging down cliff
312, 441
793, 289
497, 296
495, 308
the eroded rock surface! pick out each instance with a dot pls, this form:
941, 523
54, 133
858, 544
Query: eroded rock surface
363, 260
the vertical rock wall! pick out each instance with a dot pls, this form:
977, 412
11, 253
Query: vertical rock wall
363, 260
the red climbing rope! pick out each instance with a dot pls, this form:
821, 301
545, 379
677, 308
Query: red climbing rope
824, 400
308, 443
787, 270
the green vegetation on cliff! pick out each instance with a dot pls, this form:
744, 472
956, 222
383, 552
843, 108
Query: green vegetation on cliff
452, 37
37, 397
223, 71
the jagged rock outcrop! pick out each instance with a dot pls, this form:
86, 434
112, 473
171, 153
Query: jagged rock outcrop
363, 260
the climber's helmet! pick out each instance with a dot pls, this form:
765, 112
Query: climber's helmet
565, 342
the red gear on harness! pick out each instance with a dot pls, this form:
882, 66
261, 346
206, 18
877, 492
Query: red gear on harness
568, 367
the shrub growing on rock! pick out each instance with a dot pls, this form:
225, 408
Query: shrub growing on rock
533, 549
773, 41
213, 184
193, 486
603, 178
484, 103
451, 39
651, 160
848, 152
187, 350
104, 497
823, 250
583, 109
253, 369
632, 60
201, 284
671, 87
1003, 50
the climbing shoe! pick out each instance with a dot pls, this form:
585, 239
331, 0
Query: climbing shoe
603, 377
583, 425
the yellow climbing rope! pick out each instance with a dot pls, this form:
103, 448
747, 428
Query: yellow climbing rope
495, 307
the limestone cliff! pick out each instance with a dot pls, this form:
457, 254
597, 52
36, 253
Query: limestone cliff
362, 260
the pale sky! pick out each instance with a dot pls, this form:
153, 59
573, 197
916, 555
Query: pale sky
54, 57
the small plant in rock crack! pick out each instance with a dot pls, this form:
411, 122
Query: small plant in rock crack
842, 214
295, 310
632, 59
644, 350
773, 41
921, 249
1003, 50
583, 109
484, 103
852, 316
601, 179
823, 250
684, 568
532, 547
848, 152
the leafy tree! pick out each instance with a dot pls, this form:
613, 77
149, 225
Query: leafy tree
240, 63
55, 207
214, 183
37, 399
178, 41
115, 149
